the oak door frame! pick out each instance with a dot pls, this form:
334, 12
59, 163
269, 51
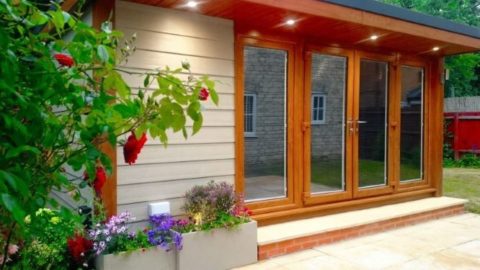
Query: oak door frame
308, 197
291, 199
390, 59
424, 182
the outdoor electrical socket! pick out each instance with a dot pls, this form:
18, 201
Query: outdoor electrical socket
158, 208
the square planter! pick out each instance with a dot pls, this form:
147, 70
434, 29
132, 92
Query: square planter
152, 258
219, 249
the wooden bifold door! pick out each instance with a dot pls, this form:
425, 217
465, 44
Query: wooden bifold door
321, 125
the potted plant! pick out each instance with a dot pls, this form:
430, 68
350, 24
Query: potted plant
219, 233
151, 248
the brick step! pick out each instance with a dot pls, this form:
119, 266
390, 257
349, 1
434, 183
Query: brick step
280, 239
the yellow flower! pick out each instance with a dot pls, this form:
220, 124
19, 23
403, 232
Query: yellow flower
197, 218
28, 219
43, 210
55, 220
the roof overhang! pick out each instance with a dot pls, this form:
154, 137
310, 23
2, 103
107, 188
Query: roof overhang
345, 23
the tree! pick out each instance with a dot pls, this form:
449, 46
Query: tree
60, 100
464, 69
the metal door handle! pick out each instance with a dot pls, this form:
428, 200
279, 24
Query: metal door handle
362, 122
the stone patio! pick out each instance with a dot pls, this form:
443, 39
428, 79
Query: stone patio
448, 243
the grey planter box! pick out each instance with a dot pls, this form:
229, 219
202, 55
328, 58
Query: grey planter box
219, 249
153, 258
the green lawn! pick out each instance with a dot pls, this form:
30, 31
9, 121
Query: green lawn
463, 183
371, 172
329, 172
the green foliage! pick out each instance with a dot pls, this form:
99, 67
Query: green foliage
46, 233
466, 161
464, 69
55, 114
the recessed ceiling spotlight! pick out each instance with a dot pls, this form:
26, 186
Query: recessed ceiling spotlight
373, 37
435, 49
192, 4
290, 22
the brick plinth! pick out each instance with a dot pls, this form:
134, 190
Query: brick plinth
288, 246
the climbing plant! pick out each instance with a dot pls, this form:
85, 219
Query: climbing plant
63, 95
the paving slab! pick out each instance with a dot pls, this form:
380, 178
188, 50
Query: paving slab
451, 243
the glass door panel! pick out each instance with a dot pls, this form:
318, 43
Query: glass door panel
411, 138
265, 123
327, 143
372, 124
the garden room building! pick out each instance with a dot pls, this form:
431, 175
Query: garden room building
325, 106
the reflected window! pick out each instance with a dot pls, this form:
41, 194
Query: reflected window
327, 147
318, 109
265, 155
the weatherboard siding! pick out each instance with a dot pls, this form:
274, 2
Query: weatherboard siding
167, 37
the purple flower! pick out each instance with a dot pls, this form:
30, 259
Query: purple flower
177, 239
161, 233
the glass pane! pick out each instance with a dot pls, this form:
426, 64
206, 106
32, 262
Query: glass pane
327, 140
265, 154
412, 122
372, 123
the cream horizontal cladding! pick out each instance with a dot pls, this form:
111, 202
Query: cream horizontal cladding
166, 37
182, 152
223, 85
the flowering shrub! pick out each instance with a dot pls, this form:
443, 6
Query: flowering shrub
61, 101
214, 205
46, 240
162, 233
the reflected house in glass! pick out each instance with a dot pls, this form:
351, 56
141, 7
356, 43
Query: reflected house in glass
325, 106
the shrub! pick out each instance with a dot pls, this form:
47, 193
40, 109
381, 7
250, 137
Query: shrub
214, 205
45, 244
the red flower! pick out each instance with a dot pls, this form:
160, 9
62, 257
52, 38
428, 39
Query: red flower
203, 94
64, 59
99, 181
132, 147
78, 246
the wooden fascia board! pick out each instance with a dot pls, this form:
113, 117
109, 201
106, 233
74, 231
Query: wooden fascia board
332, 11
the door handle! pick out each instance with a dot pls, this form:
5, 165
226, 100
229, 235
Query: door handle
357, 124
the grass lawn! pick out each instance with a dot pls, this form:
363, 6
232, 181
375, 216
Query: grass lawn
463, 183
329, 173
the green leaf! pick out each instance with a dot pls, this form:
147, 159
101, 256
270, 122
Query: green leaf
214, 96
146, 81
197, 125
102, 53
14, 182
57, 19
184, 132
22, 149
113, 81
193, 110
13, 207
38, 18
